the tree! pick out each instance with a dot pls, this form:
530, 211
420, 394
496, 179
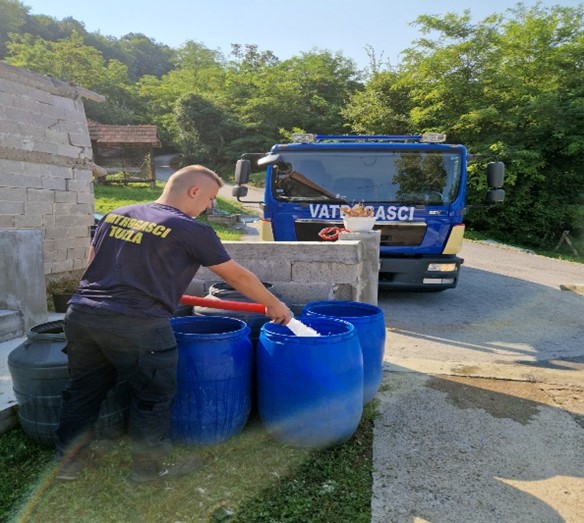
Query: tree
147, 57
382, 107
271, 97
13, 17
70, 60
507, 87
204, 129
197, 69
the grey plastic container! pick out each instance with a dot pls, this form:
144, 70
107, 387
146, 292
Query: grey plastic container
38, 367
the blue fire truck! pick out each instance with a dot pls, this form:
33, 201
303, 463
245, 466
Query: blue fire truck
414, 185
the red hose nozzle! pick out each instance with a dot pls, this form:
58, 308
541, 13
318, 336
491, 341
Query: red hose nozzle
214, 303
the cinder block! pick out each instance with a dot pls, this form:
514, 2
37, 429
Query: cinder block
62, 266
299, 294
38, 208
83, 175
56, 135
329, 272
78, 185
81, 263
36, 195
19, 115
16, 194
45, 120
11, 208
10, 167
75, 220
69, 151
29, 221
344, 292
82, 139
269, 270
31, 130
65, 103
19, 180
44, 146
7, 221
7, 126
85, 197
59, 171
65, 197
13, 86
50, 182
7, 99
15, 141
78, 252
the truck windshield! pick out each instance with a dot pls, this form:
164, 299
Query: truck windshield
415, 177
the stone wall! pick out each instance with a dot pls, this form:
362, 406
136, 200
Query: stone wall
301, 272
46, 165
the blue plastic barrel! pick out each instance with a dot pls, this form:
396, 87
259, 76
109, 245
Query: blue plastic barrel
214, 379
370, 325
310, 389
224, 291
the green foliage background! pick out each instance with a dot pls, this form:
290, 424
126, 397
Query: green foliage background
509, 87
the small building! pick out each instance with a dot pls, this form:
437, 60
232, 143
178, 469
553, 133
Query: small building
46, 191
125, 149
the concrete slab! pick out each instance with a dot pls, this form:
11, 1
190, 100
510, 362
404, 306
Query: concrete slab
11, 325
462, 449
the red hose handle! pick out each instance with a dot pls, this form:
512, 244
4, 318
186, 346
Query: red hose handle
214, 303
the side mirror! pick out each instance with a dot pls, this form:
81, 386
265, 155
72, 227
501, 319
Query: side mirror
495, 174
496, 195
242, 172
239, 191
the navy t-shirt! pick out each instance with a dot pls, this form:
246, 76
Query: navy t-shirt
145, 257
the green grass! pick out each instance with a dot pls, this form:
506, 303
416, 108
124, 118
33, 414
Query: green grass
109, 197
21, 463
251, 478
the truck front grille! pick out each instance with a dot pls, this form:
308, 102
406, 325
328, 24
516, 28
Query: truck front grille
395, 233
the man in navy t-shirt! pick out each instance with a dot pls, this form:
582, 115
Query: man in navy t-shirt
141, 261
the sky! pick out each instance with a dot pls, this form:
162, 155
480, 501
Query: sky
285, 28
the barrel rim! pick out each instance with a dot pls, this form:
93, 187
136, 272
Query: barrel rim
242, 327
374, 309
36, 333
272, 329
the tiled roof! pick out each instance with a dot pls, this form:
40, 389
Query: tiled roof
137, 134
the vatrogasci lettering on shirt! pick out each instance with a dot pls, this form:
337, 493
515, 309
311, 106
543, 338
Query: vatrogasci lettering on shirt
132, 230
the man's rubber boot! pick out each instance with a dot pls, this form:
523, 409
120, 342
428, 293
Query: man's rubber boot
147, 471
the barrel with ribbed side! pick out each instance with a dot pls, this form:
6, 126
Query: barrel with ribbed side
214, 379
223, 291
39, 372
310, 389
369, 322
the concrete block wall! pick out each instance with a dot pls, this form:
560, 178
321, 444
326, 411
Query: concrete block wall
301, 272
22, 282
46, 165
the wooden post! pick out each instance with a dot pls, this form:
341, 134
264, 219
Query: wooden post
566, 238
152, 169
